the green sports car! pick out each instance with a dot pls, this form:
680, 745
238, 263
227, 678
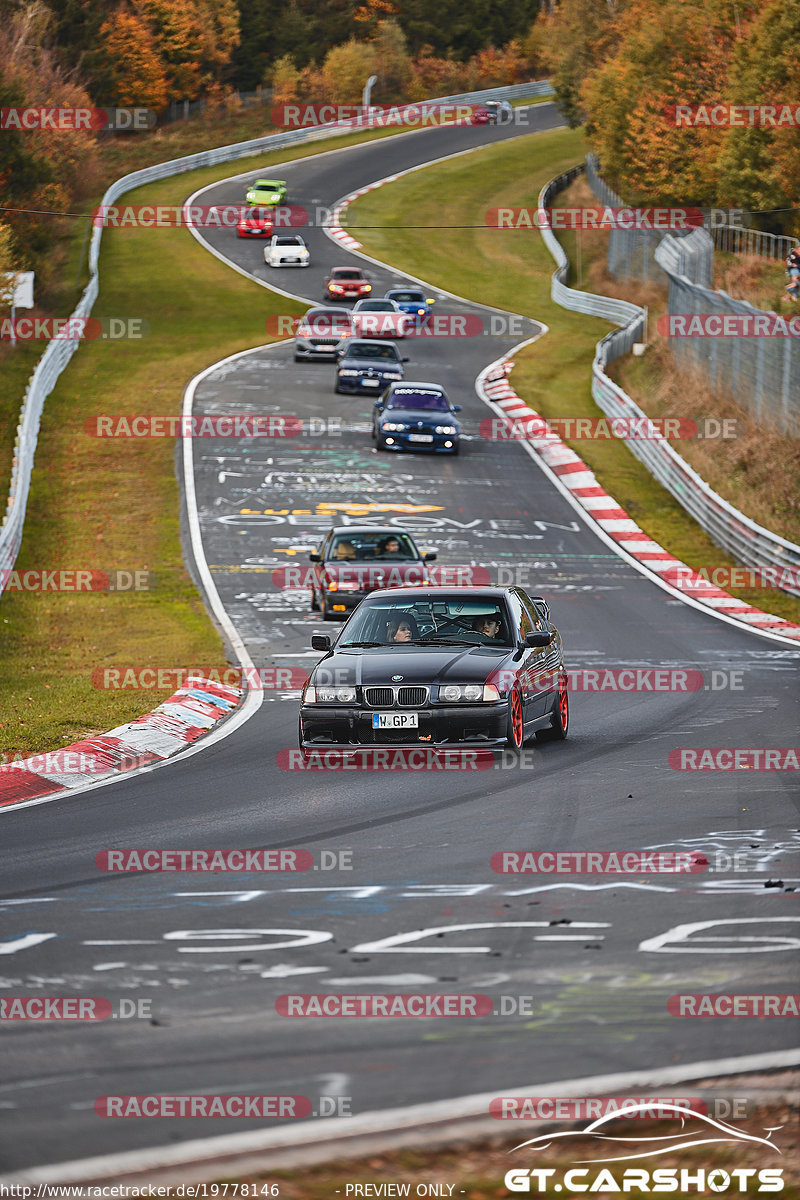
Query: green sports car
267, 191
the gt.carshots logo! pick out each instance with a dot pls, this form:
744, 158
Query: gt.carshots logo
694, 1130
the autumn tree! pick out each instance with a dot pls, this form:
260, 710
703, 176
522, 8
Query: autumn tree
345, 71
758, 167
128, 65
392, 60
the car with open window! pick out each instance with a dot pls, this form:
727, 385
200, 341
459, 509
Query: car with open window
438, 667
352, 562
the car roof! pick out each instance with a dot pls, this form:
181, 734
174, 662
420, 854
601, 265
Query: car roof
420, 593
388, 529
359, 341
418, 383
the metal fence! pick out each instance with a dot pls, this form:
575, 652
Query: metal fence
762, 371
747, 542
736, 240
59, 351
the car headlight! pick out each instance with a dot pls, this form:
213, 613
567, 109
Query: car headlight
348, 371
452, 692
393, 426
421, 312
366, 287
445, 429
392, 375
329, 695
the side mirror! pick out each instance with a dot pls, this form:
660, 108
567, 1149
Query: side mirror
430, 555
320, 641
315, 556
379, 404
456, 408
431, 300
538, 639
406, 359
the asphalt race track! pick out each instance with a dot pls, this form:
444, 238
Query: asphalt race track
213, 952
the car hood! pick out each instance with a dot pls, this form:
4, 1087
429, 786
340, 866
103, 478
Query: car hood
417, 664
379, 573
415, 417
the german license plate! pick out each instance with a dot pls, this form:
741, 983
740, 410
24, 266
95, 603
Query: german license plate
420, 437
371, 382
395, 720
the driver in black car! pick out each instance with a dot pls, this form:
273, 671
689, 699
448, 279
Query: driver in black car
489, 624
402, 628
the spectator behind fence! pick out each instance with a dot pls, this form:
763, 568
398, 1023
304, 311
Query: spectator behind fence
793, 268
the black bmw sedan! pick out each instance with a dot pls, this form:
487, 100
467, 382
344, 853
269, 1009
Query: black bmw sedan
438, 667
368, 366
416, 416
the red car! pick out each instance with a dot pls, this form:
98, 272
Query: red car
346, 283
352, 562
256, 222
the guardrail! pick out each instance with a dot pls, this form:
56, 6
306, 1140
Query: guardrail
749, 543
59, 351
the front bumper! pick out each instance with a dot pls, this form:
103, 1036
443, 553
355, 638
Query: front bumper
361, 384
310, 349
437, 446
287, 262
333, 725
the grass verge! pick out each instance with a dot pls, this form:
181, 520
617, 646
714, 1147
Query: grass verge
512, 269
96, 504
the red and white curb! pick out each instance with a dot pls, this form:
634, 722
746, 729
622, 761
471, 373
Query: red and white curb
333, 226
613, 520
197, 707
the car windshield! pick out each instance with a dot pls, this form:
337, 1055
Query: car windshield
258, 214
424, 401
288, 241
269, 184
407, 297
324, 319
345, 274
371, 350
366, 546
448, 619
375, 306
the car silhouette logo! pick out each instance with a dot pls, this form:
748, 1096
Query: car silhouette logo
396, 678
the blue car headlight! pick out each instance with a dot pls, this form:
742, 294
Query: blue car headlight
393, 426
446, 429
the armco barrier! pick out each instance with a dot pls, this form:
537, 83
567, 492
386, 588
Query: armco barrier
747, 542
59, 351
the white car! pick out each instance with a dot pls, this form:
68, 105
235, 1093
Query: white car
380, 318
286, 250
